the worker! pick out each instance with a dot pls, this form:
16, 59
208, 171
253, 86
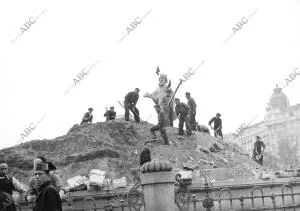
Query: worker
192, 105
217, 125
7, 186
182, 112
54, 177
160, 125
130, 104
145, 155
48, 198
88, 117
259, 148
169, 112
110, 114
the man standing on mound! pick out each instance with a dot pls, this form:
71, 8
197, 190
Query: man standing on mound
182, 111
160, 125
130, 104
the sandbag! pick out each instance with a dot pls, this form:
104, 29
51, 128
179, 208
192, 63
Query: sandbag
76, 181
119, 183
96, 178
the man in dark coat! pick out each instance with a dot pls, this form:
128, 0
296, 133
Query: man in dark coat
88, 117
7, 185
217, 125
258, 151
145, 155
110, 114
47, 198
182, 111
160, 125
130, 104
192, 105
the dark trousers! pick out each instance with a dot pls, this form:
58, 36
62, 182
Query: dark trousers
183, 120
169, 117
193, 121
218, 133
260, 160
171, 113
134, 110
162, 132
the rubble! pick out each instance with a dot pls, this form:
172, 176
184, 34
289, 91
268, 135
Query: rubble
114, 147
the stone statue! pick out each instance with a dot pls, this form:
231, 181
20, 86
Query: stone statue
162, 96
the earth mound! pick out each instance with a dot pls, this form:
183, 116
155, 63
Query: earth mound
114, 147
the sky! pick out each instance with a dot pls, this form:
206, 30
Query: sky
39, 60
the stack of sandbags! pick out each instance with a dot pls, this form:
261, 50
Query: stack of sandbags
96, 179
77, 183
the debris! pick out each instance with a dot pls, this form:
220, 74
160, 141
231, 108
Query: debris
190, 165
203, 149
119, 183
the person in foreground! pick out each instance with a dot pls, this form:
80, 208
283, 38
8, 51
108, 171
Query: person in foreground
47, 198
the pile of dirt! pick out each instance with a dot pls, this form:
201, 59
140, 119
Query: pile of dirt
115, 146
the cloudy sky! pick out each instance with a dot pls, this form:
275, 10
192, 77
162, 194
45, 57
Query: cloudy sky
66, 38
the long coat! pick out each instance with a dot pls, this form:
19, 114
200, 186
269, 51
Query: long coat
48, 198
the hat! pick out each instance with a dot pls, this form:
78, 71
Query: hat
258, 137
90, 109
218, 114
111, 107
177, 99
44, 166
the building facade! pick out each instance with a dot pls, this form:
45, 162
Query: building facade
280, 129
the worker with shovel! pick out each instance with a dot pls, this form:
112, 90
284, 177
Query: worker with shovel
130, 104
258, 151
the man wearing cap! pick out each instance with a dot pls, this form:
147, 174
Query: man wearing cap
8, 184
130, 104
110, 114
182, 111
160, 125
88, 117
217, 125
192, 105
54, 177
47, 198
258, 151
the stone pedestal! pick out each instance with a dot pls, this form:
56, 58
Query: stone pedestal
158, 190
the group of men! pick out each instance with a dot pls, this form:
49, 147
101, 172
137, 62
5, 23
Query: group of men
44, 188
186, 114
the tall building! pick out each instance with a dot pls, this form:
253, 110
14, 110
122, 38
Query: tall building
280, 128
